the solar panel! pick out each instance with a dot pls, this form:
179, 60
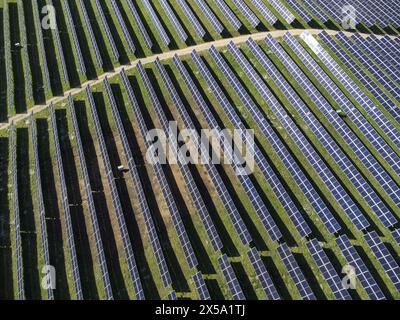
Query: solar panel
396, 235
39, 194
326, 140
266, 13
27, 74
300, 10
165, 276
384, 257
172, 296
65, 204
129, 255
124, 28
92, 209
191, 185
327, 270
201, 287
157, 23
7, 49
218, 183
17, 224
192, 18
70, 20
140, 25
282, 10
174, 20
362, 272
178, 223
41, 45
227, 12
212, 19
263, 275
315, 10
308, 151
92, 37
107, 30
262, 163
247, 13
151, 228
351, 111
230, 277
337, 122
295, 273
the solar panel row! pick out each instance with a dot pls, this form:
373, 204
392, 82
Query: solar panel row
266, 13
228, 13
201, 287
106, 28
247, 13
89, 198
81, 62
39, 194
129, 255
140, 24
282, 10
140, 193
21, 18
7, 49
123, 26
157, 23
263, 275
210, 16
17, 224
92, 37
230, 277
174, 20
194, 22
65, 204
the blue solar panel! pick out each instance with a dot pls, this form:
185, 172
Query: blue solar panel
7, 49
230, 277
174, 20
396, 235
211, 17
262, 275
17, 224
227, 12
140, 25
192, 18
157, 22
282, 10
172, 296
201, 287
361, 270
39, 194
300, 10
315, 10
70, 20
130, 258
65, 203
247, 13
295, 272
384, 257
327, 270
109, 35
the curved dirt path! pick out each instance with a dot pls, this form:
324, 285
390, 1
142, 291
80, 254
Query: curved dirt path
165, 56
